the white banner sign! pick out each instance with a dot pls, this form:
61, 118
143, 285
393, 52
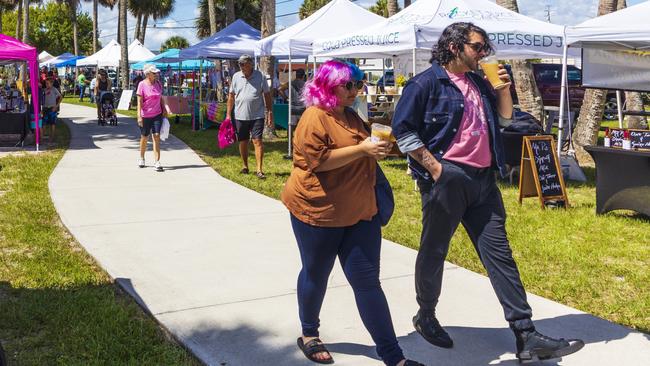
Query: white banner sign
125, 100
615, 69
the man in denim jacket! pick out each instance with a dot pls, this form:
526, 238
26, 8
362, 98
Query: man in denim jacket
447, 121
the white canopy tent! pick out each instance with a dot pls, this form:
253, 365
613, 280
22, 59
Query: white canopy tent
419, 25
615, 55
336, 18
138, 52
110, 55
44, 56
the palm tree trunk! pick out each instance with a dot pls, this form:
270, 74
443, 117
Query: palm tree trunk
593, 105
19, 16
124, 61
212, 14
392, 7
530, 99
143, 29
25, 21
266, 63
75, 39
95, 33
138, 24
634, 102
407, 3
230, 11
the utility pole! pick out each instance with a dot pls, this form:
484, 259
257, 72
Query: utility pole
547, 10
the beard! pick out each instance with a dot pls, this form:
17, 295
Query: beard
468, 61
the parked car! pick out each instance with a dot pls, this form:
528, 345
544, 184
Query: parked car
549, 83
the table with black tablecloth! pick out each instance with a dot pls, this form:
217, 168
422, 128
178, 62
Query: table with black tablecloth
14, 123
622, 179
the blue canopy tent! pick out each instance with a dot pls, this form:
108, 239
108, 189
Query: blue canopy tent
171, 58
70, 62
60, 58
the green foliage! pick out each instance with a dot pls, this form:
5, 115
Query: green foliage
249, 11
309, 7
380, 8
174, 42
50, 28
57, 306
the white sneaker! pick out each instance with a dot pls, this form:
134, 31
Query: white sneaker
141, 163
158, 167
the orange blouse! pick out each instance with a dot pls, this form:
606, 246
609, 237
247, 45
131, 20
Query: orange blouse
334, 198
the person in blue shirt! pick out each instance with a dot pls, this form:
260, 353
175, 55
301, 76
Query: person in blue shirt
448, 121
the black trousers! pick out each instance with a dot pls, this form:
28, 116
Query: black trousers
470, 196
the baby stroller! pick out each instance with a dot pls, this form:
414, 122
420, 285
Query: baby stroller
107, 109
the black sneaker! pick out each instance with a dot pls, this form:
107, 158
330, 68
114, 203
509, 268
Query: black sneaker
431, 330
534, 346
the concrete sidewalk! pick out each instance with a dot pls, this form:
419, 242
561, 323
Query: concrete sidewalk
216, 264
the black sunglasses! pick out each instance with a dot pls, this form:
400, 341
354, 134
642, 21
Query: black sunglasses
480, 46
353, 84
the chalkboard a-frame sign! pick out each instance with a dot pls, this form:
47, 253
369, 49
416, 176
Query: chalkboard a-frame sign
541, 174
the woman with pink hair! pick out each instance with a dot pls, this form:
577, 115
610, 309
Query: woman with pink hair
331, 197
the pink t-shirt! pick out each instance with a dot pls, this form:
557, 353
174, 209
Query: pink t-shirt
471, 145
151, 95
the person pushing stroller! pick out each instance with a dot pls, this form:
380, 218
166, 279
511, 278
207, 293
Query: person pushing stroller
103, 94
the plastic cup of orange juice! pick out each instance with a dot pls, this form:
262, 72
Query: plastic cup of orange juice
490, 66
380, 133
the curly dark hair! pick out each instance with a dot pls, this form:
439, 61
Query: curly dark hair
457, 34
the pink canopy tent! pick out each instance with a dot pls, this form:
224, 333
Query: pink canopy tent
13, 49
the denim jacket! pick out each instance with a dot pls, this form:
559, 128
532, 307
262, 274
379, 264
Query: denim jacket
429, 114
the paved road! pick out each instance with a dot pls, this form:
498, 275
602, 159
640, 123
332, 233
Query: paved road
216, 264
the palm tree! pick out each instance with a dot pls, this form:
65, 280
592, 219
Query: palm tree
230, 11
633, 100
6, 5
392, 7
25, 21
19, 14
309, 7
174, 42
248, 11
380, 8
593, 105
124, 61
212, 12
530, 99
73, 6
266, 63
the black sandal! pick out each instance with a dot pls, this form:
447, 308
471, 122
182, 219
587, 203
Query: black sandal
312, 347
243, 171
412, 363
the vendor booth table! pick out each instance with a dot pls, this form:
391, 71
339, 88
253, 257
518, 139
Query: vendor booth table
14, 123
622, 179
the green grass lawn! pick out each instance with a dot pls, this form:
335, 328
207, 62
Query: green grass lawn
598, 264
57, 307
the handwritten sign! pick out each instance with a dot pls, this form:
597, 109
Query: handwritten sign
541, 175
640, 139
616, 136
547, 174
125, 100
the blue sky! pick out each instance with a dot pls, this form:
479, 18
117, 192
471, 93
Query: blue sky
562, 12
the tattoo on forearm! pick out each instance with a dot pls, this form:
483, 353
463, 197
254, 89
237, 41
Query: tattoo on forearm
425, 158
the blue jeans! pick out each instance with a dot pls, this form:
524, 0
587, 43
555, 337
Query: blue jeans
82, 89
358, 248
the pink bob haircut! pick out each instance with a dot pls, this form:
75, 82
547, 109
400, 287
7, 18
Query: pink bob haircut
319, 91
